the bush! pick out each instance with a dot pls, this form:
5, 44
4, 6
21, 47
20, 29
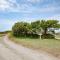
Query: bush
48, 36
33, 35
22, 29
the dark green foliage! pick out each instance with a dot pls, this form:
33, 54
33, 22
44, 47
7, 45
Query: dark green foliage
48, 36
33, 35
23, 29
36, 24
20, 29
48, 24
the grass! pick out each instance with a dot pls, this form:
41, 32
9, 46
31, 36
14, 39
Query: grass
1, 35
49, 45
0, 38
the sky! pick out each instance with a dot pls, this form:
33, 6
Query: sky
12, 11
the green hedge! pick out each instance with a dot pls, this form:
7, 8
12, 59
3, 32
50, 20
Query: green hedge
27, 35
48, 36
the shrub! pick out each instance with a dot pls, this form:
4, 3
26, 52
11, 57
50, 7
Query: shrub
48, 36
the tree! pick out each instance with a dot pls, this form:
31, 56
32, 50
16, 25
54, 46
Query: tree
45, 25
35, 26
20, 28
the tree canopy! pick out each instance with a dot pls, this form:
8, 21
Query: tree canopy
33, 28
45, 25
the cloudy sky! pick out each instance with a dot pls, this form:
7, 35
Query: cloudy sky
12, 11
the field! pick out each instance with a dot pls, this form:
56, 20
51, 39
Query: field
2, 35
51, 46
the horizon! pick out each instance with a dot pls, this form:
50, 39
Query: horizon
12, 11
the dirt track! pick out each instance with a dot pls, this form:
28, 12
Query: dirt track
12, 51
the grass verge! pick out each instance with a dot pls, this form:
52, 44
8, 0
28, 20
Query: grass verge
51, 46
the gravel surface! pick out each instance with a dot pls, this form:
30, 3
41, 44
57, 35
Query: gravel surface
12, 51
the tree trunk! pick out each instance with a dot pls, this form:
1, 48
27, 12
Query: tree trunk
45, 31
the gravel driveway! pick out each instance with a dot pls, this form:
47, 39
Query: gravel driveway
12, 51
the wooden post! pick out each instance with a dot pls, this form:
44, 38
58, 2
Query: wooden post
40, 36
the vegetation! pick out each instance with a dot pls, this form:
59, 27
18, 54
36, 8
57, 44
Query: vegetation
45, 25
51, 46
22, 33
23, 29
20, 29
4, 33
34, 29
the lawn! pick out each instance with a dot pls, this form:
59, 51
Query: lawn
49, 45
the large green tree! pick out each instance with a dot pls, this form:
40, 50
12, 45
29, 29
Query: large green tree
35, 26
45, 25
20, 28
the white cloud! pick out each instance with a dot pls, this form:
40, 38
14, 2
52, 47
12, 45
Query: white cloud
8, 5
47, 9
13, 6
54, 17
35, 1
3, 4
